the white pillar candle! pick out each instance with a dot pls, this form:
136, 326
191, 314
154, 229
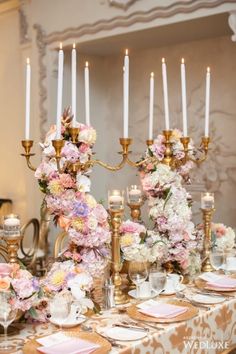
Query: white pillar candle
126, 95
115, 199
12, 222
134, 194
184, 99
59, 90
73, 84
207, 107
27, 99
86, 85
165, 94
207, 200
151, 107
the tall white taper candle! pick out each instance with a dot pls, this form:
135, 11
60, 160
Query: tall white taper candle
86, 85
126, 95
184, 98
73, 84
207, 107
59, 91
165, 94
151, 107
27, 99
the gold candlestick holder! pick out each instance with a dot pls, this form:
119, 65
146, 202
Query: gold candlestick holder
207, 216
116, 219
135, 211
13, 245
74, 133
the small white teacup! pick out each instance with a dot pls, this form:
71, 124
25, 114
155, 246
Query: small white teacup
145, 289
231, 263
173, 282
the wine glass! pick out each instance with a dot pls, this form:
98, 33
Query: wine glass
217, 258
157, 278
7, 316
138, 273
60, 307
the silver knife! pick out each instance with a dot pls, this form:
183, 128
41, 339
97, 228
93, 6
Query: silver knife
135, 328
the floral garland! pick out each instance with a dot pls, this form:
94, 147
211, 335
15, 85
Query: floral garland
138, 244
170, 204
222, 237
22, 284
68, 199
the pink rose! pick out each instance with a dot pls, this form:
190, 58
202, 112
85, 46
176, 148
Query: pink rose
66, 180
5, 269
100, 213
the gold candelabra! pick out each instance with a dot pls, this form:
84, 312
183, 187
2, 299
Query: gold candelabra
169, 159
116, 219
135, 211
207, 216
13, 245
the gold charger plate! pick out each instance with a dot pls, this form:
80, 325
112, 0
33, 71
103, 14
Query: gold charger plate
31, 346
192, 311
202, 284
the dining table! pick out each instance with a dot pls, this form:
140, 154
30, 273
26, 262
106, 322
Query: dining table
211, 329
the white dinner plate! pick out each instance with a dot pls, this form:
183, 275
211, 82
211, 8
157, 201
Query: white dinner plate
70, 321
133, 294
207, 299
171, 291
125, 334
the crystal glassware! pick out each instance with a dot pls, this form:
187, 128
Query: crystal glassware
217, 259
138, 273
7, 316
157, 279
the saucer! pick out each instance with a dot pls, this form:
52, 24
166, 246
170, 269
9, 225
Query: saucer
132, 293
207, 299
69, 322
171, 291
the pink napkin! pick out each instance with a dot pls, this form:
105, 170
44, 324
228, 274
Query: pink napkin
223, 282
71, 346
164, 310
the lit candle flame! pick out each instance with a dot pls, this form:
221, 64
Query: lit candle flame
27, 60
73, 45
182, 60
163, 60
208, 69
152, 74
126, 51
60, 45
86, 64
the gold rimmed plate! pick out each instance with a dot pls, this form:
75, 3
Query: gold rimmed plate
31, 346
203, 284
133, 312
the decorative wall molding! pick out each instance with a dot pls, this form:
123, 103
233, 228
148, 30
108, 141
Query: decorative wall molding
124, 21
24, 26
232, 24
41, 45
123, 4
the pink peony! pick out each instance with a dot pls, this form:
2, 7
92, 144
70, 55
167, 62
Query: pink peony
66, 180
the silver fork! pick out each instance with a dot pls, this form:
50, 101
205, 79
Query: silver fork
194, 303
110, 340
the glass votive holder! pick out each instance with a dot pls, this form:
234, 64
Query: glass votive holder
11, 226
207, 201
116, 199
134, 194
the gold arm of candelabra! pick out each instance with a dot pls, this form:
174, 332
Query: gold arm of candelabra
204, 146
58, 145
27, 145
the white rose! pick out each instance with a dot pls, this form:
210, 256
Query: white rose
83, 183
